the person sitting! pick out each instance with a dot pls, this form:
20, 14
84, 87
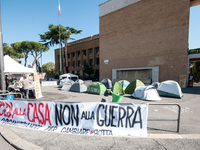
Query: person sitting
25, 83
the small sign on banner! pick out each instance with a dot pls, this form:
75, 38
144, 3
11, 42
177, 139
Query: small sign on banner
38, 93
182, 81
93, 119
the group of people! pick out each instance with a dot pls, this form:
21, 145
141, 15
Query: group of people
25, 85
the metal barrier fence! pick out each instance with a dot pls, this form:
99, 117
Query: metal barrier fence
179, 114
12, 94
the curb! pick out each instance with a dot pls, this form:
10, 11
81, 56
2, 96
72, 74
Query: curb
16, 141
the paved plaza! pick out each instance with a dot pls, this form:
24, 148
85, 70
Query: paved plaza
161, 134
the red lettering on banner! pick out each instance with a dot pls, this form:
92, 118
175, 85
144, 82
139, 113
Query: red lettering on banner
29, 111
41, 104
47, 115
36, 110
18, 112
9, 110
2, 104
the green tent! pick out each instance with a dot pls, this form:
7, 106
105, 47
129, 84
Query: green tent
117, 88
131, 87
96, 88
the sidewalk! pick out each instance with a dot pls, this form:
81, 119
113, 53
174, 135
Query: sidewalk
161, 135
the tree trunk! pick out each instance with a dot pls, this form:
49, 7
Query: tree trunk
66, 64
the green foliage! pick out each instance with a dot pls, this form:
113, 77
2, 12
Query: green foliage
88, 69
30, 47
7, 50
195, 70
51, 37
48, 67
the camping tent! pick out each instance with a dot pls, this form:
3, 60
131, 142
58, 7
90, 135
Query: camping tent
64, 81
69, 76
170, 89
146, 93
13, 67
117, 88
107, 82
131, 87
156, 84
96, 88
78, 87
67, 85
124, 83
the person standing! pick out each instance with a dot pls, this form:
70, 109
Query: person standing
7, 82
25, 83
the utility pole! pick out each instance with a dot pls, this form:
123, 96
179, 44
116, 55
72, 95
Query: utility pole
59, 36
1, 57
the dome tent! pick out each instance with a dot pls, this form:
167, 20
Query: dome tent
131, 87
96, 88
124, 83
78, 87
170, 88
146, 93
107, 82
117, 88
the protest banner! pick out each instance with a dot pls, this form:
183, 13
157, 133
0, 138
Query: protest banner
49, 83
98, 119
38, 93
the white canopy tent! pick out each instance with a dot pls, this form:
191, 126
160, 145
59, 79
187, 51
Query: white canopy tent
13, 67
69, 76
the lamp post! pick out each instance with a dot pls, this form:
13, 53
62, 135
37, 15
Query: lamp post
1, 58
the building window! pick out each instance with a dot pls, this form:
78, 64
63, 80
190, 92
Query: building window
97, 61
73, 64
84, 62
78, 53
97, 51
68, 64
68, 56
78, 73
73, 55
91, 62
84, 52
79, 63
90, 52
72, 72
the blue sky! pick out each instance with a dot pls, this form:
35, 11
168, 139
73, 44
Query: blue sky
24, 19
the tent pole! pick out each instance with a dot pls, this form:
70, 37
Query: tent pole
3, 87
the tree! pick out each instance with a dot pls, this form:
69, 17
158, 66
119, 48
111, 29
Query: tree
51, 37
195, 71
7, 50
48, 67
30, 47
88, 69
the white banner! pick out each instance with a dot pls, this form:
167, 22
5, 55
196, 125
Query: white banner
49, 83
98, 119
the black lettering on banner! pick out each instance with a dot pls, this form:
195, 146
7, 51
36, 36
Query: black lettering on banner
102, 132
99, 122
59, 115
112, 116
86, 115
66, 123
121, 109
140, 117
73, 115
107, 116
129, 116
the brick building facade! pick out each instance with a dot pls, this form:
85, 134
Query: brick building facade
79, 53
144, 39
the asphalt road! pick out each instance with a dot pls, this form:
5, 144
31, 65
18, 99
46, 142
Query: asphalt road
161, 134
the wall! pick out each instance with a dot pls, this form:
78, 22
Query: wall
146, 34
